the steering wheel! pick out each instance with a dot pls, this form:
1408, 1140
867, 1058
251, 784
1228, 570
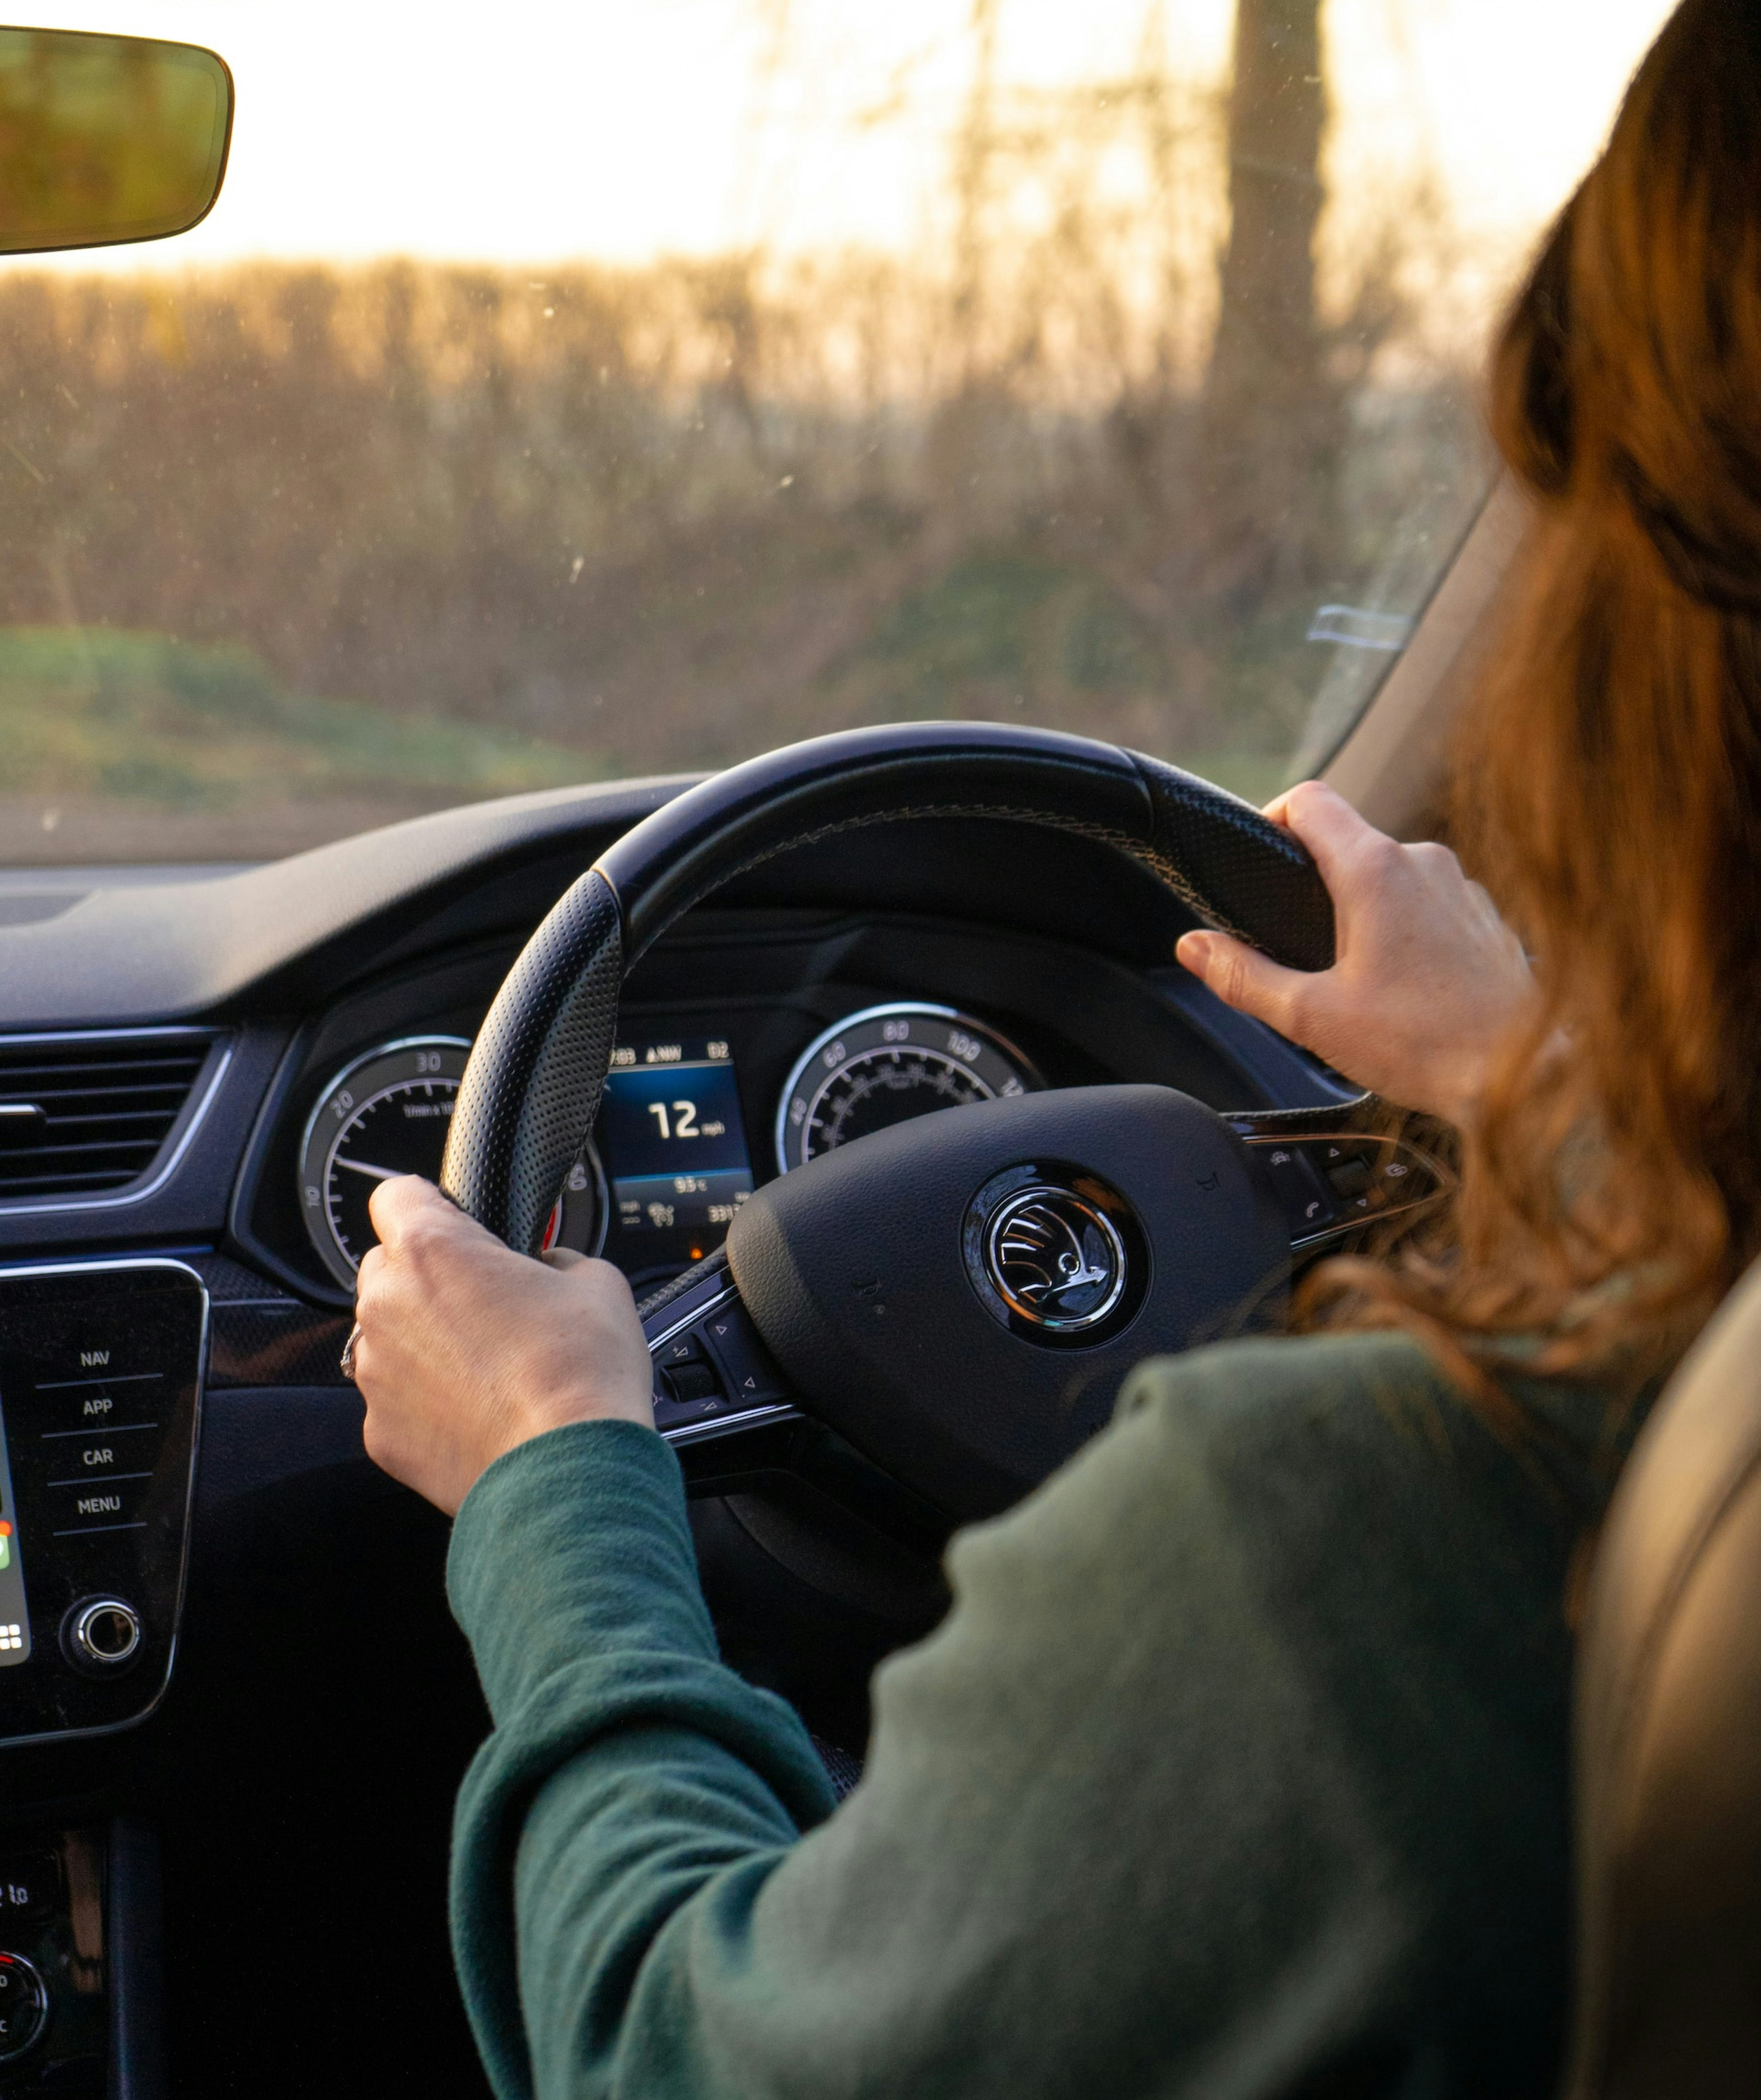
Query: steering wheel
958, 1296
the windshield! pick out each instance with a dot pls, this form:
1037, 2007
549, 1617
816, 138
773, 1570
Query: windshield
581, 391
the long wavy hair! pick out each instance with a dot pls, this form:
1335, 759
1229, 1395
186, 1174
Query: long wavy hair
1607, 783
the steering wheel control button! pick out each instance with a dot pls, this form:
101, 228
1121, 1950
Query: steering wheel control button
23, 2006
693, 1383
1329, 1185
671, 1412
101, 1635
1308, 1204
750, 1378
1056, 1253
1353, 1178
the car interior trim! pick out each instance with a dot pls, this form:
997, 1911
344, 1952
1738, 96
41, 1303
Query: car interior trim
181, 1137
1392, 766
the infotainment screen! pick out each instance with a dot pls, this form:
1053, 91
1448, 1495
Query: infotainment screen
674, 1147
15, 1615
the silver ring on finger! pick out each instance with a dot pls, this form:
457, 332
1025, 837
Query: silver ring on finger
348, 1352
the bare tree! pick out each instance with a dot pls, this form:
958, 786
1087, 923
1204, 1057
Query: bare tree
1271, 414
974, 146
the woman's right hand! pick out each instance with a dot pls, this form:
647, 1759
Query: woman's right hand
464, 1349
1427, 979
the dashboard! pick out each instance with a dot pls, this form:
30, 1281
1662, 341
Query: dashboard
669, 1164
749, 1042
224, 1647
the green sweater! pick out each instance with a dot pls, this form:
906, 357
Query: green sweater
1238, 1768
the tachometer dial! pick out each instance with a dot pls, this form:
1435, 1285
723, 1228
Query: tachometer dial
387, 1114
886, 1065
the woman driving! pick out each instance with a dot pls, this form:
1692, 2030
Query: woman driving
1239, 1766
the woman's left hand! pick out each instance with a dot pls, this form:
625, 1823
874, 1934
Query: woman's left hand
467, 1349
1429, 981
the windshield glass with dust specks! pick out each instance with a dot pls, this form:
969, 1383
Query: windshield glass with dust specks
580, 390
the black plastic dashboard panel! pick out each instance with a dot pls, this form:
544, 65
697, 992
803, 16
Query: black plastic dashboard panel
100, 1395
290, 933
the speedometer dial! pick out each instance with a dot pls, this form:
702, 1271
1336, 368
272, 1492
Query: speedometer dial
387, 1114
886, 1065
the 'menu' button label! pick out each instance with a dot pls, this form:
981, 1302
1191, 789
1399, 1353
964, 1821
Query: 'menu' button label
100, 1505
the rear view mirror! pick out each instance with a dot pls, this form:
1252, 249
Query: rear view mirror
107, 138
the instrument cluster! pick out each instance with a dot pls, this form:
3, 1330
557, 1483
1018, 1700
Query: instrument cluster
669, 1161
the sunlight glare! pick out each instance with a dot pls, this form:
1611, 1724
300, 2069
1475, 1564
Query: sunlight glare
552, 129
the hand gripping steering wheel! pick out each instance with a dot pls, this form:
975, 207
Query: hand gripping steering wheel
958, 1296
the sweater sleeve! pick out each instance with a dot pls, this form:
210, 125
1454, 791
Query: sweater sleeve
572, 1572
1121, 1828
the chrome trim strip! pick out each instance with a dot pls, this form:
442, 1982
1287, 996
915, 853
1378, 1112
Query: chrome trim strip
1295, 1134
100, 1268
703, 1432
689, 1319
27, 1035
192, 1115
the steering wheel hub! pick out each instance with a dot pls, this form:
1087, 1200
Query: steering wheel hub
868, 1274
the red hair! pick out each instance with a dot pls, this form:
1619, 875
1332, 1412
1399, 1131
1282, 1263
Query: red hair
1608, 788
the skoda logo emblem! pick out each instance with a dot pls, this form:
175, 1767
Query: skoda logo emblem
1056, 1259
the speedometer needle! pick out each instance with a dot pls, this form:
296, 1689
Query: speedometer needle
378, 1173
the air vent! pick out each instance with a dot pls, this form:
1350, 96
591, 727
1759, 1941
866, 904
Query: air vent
80, 1115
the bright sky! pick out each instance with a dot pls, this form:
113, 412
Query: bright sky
540, 129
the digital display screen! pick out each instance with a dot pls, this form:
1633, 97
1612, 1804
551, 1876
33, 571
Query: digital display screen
15, 1620
673, 1145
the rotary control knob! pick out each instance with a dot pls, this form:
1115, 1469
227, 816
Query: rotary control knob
101, 1635
23, 2006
